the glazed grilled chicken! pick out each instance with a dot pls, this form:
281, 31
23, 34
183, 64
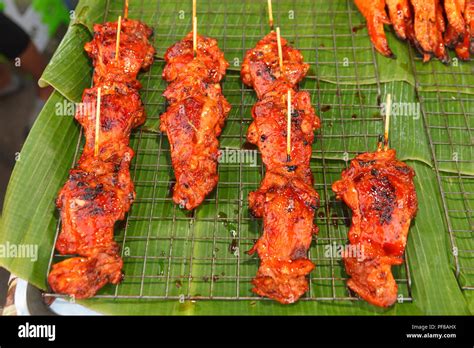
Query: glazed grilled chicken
380, 192
195, 117
400, 16
99, 191
135, 52
454, 13
286, 199
429, 25
374, 12
261, 69
427, 28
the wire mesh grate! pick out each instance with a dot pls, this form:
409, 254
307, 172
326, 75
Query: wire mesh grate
173, 254
449, 122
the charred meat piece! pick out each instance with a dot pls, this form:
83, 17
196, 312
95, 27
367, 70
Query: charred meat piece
209, 65
469, 18
195, 117
379, 190
269, 127
374, 13
427, 29
261, 69
400, 16
99, 191
454, 13
287, 206
121, 110
135, 52
90, 203
192, 127
82, 277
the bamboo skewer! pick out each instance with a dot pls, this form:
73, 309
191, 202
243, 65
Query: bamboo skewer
270, 14
117, 43
388, 110
288, 128
194, 28
280, 51
97, 124
195, 36
383, 140
125, 10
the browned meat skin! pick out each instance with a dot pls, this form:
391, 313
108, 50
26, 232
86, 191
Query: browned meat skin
195, 118
429, 25
451, 37
400, 16
286, 198
374, 13
268, 130
84, 276
469, 18
462, 42
287, 206
463, 48
380, 192
90, 204
427, 30
193, 126
99, 191
261, 68
135, 52
454, 12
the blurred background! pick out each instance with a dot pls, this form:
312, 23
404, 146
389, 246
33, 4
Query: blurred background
31, 30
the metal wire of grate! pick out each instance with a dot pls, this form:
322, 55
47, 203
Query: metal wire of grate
201, 255
449, 123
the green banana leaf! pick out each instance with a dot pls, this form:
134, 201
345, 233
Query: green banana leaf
173, 254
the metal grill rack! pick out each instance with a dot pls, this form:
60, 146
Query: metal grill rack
452, 113
176, 255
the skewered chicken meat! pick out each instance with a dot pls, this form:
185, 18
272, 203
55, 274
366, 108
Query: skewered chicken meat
195, 117
99, 191
286, 198
379, 190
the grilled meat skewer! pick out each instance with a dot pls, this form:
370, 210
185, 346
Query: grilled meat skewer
99, 191
379, 190
195, 117
286, 199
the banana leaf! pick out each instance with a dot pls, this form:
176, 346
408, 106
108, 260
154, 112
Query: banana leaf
184, 256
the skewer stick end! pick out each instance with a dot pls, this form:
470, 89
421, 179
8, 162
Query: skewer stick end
379, 143
280, 50
270, 15
195, 36
388, 109
125, 10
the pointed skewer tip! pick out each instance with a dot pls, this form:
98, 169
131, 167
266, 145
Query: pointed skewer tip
280, 51
125, 10
270, 14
